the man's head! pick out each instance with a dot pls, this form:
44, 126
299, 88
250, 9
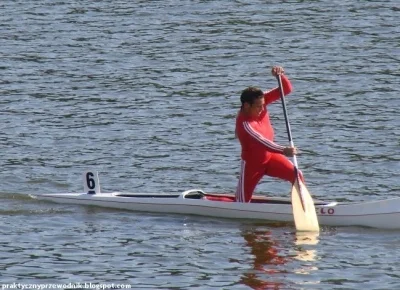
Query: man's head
252, 101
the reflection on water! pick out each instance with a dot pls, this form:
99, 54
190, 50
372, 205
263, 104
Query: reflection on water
305, 253
306, 238
271, 258
266, 260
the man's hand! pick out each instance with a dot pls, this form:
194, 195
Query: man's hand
290, 151
277, 70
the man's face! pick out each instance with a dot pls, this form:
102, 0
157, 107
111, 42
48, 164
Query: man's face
255, 109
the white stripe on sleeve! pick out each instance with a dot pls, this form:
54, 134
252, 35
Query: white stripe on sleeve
268, 143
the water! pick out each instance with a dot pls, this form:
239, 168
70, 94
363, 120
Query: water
146, 93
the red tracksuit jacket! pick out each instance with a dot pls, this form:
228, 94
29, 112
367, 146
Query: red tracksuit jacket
256, 135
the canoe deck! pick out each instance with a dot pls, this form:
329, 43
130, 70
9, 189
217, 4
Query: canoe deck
223, 197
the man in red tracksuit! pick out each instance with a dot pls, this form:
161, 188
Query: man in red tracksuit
260, 155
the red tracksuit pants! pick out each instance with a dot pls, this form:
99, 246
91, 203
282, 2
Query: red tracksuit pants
250, 174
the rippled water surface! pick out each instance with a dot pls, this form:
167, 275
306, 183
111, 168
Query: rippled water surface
146, 92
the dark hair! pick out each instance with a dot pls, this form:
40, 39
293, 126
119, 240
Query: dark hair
250, 94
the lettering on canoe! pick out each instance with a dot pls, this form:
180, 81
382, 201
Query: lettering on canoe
325, 211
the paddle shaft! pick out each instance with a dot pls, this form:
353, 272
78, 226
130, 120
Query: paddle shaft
305, 216
289, 132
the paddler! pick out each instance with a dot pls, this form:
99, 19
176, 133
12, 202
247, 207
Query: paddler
260, 154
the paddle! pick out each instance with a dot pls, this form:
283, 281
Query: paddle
305, 216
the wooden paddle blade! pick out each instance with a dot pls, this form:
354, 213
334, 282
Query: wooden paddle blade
305, 216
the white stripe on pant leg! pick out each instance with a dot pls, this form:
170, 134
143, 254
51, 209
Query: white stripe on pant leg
242, 184
237, 197
237, 194
240, 188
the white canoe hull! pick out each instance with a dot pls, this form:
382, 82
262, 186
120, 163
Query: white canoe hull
384, 214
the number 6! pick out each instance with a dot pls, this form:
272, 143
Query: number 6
91, 184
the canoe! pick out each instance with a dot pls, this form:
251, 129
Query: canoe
383, 214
